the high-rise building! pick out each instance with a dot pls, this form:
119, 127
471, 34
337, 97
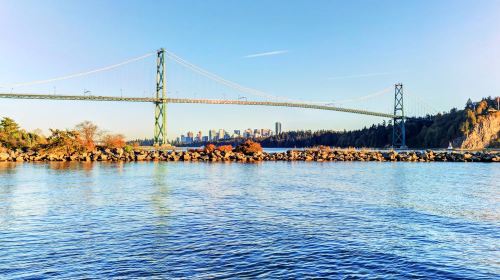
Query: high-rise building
186, 139
278, 128
221, 134
248, 133
256, 133
212, 134
190, 137
265, 132
237, 133
198, 136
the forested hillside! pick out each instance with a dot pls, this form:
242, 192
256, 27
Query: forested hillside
435, 131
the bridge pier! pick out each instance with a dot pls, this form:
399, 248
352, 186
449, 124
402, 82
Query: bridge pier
160, 131
398, 127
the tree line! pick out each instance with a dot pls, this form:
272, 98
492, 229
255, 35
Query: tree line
431, 131
86, 136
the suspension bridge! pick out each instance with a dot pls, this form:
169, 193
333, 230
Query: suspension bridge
160, 99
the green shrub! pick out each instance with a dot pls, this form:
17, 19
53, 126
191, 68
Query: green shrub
128, 149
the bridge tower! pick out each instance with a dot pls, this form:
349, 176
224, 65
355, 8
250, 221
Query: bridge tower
160, 134
398, 127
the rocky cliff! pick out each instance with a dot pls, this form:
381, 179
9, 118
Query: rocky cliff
484, 133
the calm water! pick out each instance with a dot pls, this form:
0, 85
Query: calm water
269, 220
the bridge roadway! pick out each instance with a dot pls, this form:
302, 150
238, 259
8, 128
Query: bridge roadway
192, 101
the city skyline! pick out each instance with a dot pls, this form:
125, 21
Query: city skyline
284, 139
223, 134
330, 51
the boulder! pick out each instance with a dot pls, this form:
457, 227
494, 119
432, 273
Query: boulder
4, 156
118, 151
140, 157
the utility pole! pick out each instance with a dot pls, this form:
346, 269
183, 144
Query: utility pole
398, 128
160, 132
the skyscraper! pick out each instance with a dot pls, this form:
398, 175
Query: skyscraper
278, 128
248, 133
190, 136
212, 134
220, 134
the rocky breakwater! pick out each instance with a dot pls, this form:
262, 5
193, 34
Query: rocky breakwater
118, 154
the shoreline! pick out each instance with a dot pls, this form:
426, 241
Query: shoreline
119, 155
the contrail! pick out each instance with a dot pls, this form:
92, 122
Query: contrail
266, 54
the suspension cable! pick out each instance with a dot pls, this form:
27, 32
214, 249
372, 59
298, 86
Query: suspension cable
221, 80
252, 91
386, 90
422, 102
79, 74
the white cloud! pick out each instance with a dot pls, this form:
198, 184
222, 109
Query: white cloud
266, 53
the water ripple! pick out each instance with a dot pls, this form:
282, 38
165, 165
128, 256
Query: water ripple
262, 221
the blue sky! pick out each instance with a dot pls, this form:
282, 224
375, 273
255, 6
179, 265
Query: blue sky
443, 51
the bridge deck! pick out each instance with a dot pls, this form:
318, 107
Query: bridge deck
193, 101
